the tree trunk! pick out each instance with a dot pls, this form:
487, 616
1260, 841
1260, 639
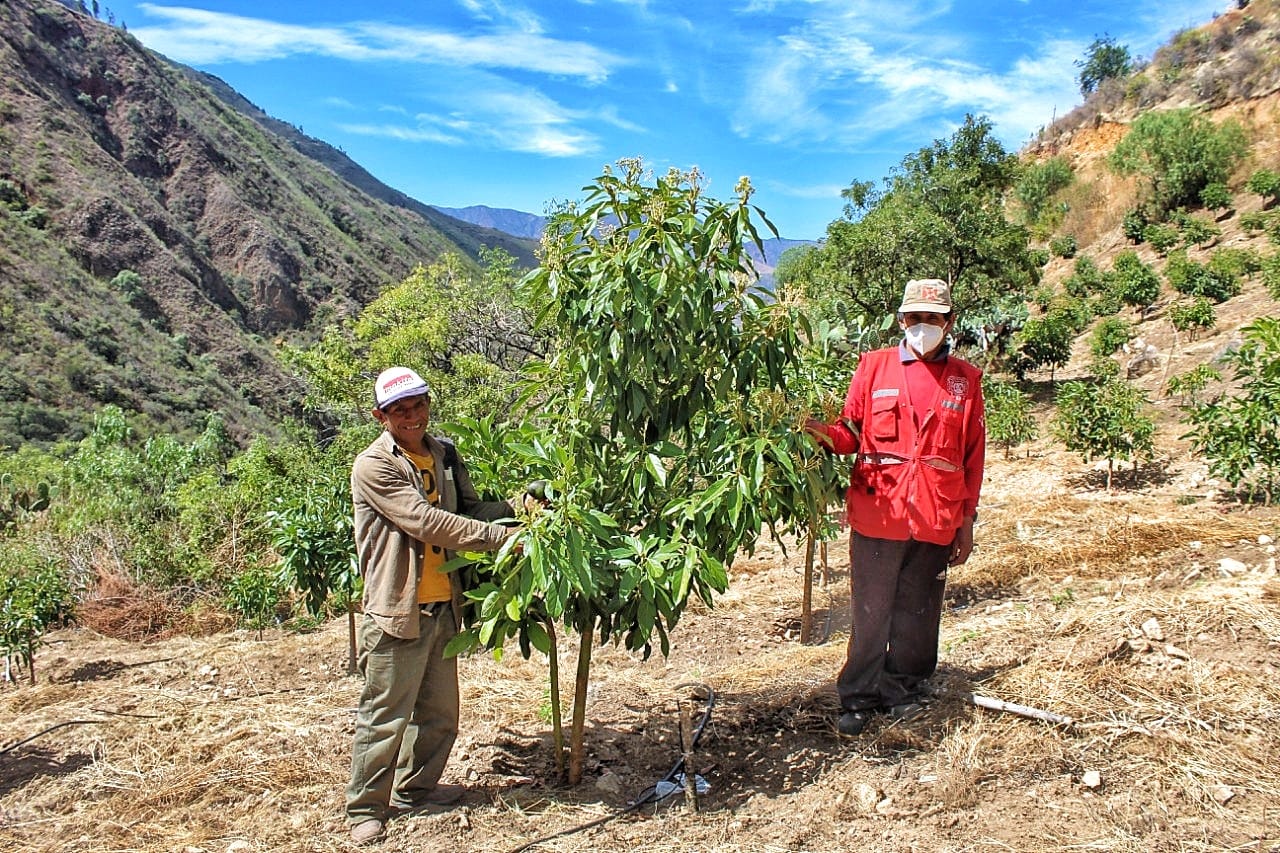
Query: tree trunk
586, 639
557, 724
806, 608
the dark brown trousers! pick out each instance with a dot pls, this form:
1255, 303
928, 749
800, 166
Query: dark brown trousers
896, 604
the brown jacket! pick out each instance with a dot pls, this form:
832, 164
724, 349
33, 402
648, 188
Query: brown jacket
393, 519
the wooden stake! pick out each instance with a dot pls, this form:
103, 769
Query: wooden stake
686, 754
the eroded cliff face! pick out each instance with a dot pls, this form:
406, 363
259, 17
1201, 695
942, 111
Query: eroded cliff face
135, 165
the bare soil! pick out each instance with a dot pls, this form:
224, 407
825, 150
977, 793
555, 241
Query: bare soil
1115, 610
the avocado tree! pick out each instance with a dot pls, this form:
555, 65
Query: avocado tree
35, 596
1104, 419
1239, 433
662, 420
1010, 421
314, 535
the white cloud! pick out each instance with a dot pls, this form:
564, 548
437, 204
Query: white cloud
498, 118
404, 134
851, 73
201, 37
512, 50
197, 36
821, 192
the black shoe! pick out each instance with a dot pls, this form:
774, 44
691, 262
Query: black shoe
906, 711
853, 722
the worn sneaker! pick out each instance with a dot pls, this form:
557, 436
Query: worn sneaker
444, 795
440, 795
906, 711
367, 831
853, 722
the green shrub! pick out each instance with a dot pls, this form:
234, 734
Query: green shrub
1162, 236
1104, 420
1063, 246
1193, 279
1041, 341
1240, 435
1008, 414
1235, 261
1133, 282
1038, 183
1135, 224
1107, 303
1188, 385
1086, 279
1265, 183
34, 217
1255, 221
35, 595
1073, 312
1109, 335
11, 195
313, 535
255, 596
1216, 196
1192, 317
1042, 297
1179, 153
1196, 230
1271, 275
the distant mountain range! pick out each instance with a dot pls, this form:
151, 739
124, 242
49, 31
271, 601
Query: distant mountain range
529, 226
513, 222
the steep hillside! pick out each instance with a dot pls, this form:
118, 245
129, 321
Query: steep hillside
1230, 68
218, 232
466, 232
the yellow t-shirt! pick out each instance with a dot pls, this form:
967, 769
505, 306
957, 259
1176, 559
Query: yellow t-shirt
433, 585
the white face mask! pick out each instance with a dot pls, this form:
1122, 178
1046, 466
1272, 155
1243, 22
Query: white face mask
924, 338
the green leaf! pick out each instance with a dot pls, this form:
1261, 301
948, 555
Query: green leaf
656, 467
539, 637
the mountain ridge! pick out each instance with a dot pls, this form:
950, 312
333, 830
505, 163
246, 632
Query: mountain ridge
180, 235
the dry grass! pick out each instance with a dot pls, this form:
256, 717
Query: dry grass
1108, 609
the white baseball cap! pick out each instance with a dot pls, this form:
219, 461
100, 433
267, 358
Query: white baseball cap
396, 383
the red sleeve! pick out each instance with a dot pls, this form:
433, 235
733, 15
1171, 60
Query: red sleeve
844, 434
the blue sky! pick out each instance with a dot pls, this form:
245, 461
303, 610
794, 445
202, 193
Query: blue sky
518, 104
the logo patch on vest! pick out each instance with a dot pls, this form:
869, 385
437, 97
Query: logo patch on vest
958, 386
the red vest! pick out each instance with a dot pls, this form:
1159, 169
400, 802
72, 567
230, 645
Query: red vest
918, 470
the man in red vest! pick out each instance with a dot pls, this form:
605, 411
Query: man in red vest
913, 421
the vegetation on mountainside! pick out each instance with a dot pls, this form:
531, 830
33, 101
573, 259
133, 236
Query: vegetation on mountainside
1103, 60
230, 232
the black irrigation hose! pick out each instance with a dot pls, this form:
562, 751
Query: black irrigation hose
648, 795
54, 728
9, 749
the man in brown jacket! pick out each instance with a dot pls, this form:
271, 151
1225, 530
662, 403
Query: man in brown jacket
414, 505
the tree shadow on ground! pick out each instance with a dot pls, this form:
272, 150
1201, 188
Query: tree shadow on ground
24, 765
1125, 477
